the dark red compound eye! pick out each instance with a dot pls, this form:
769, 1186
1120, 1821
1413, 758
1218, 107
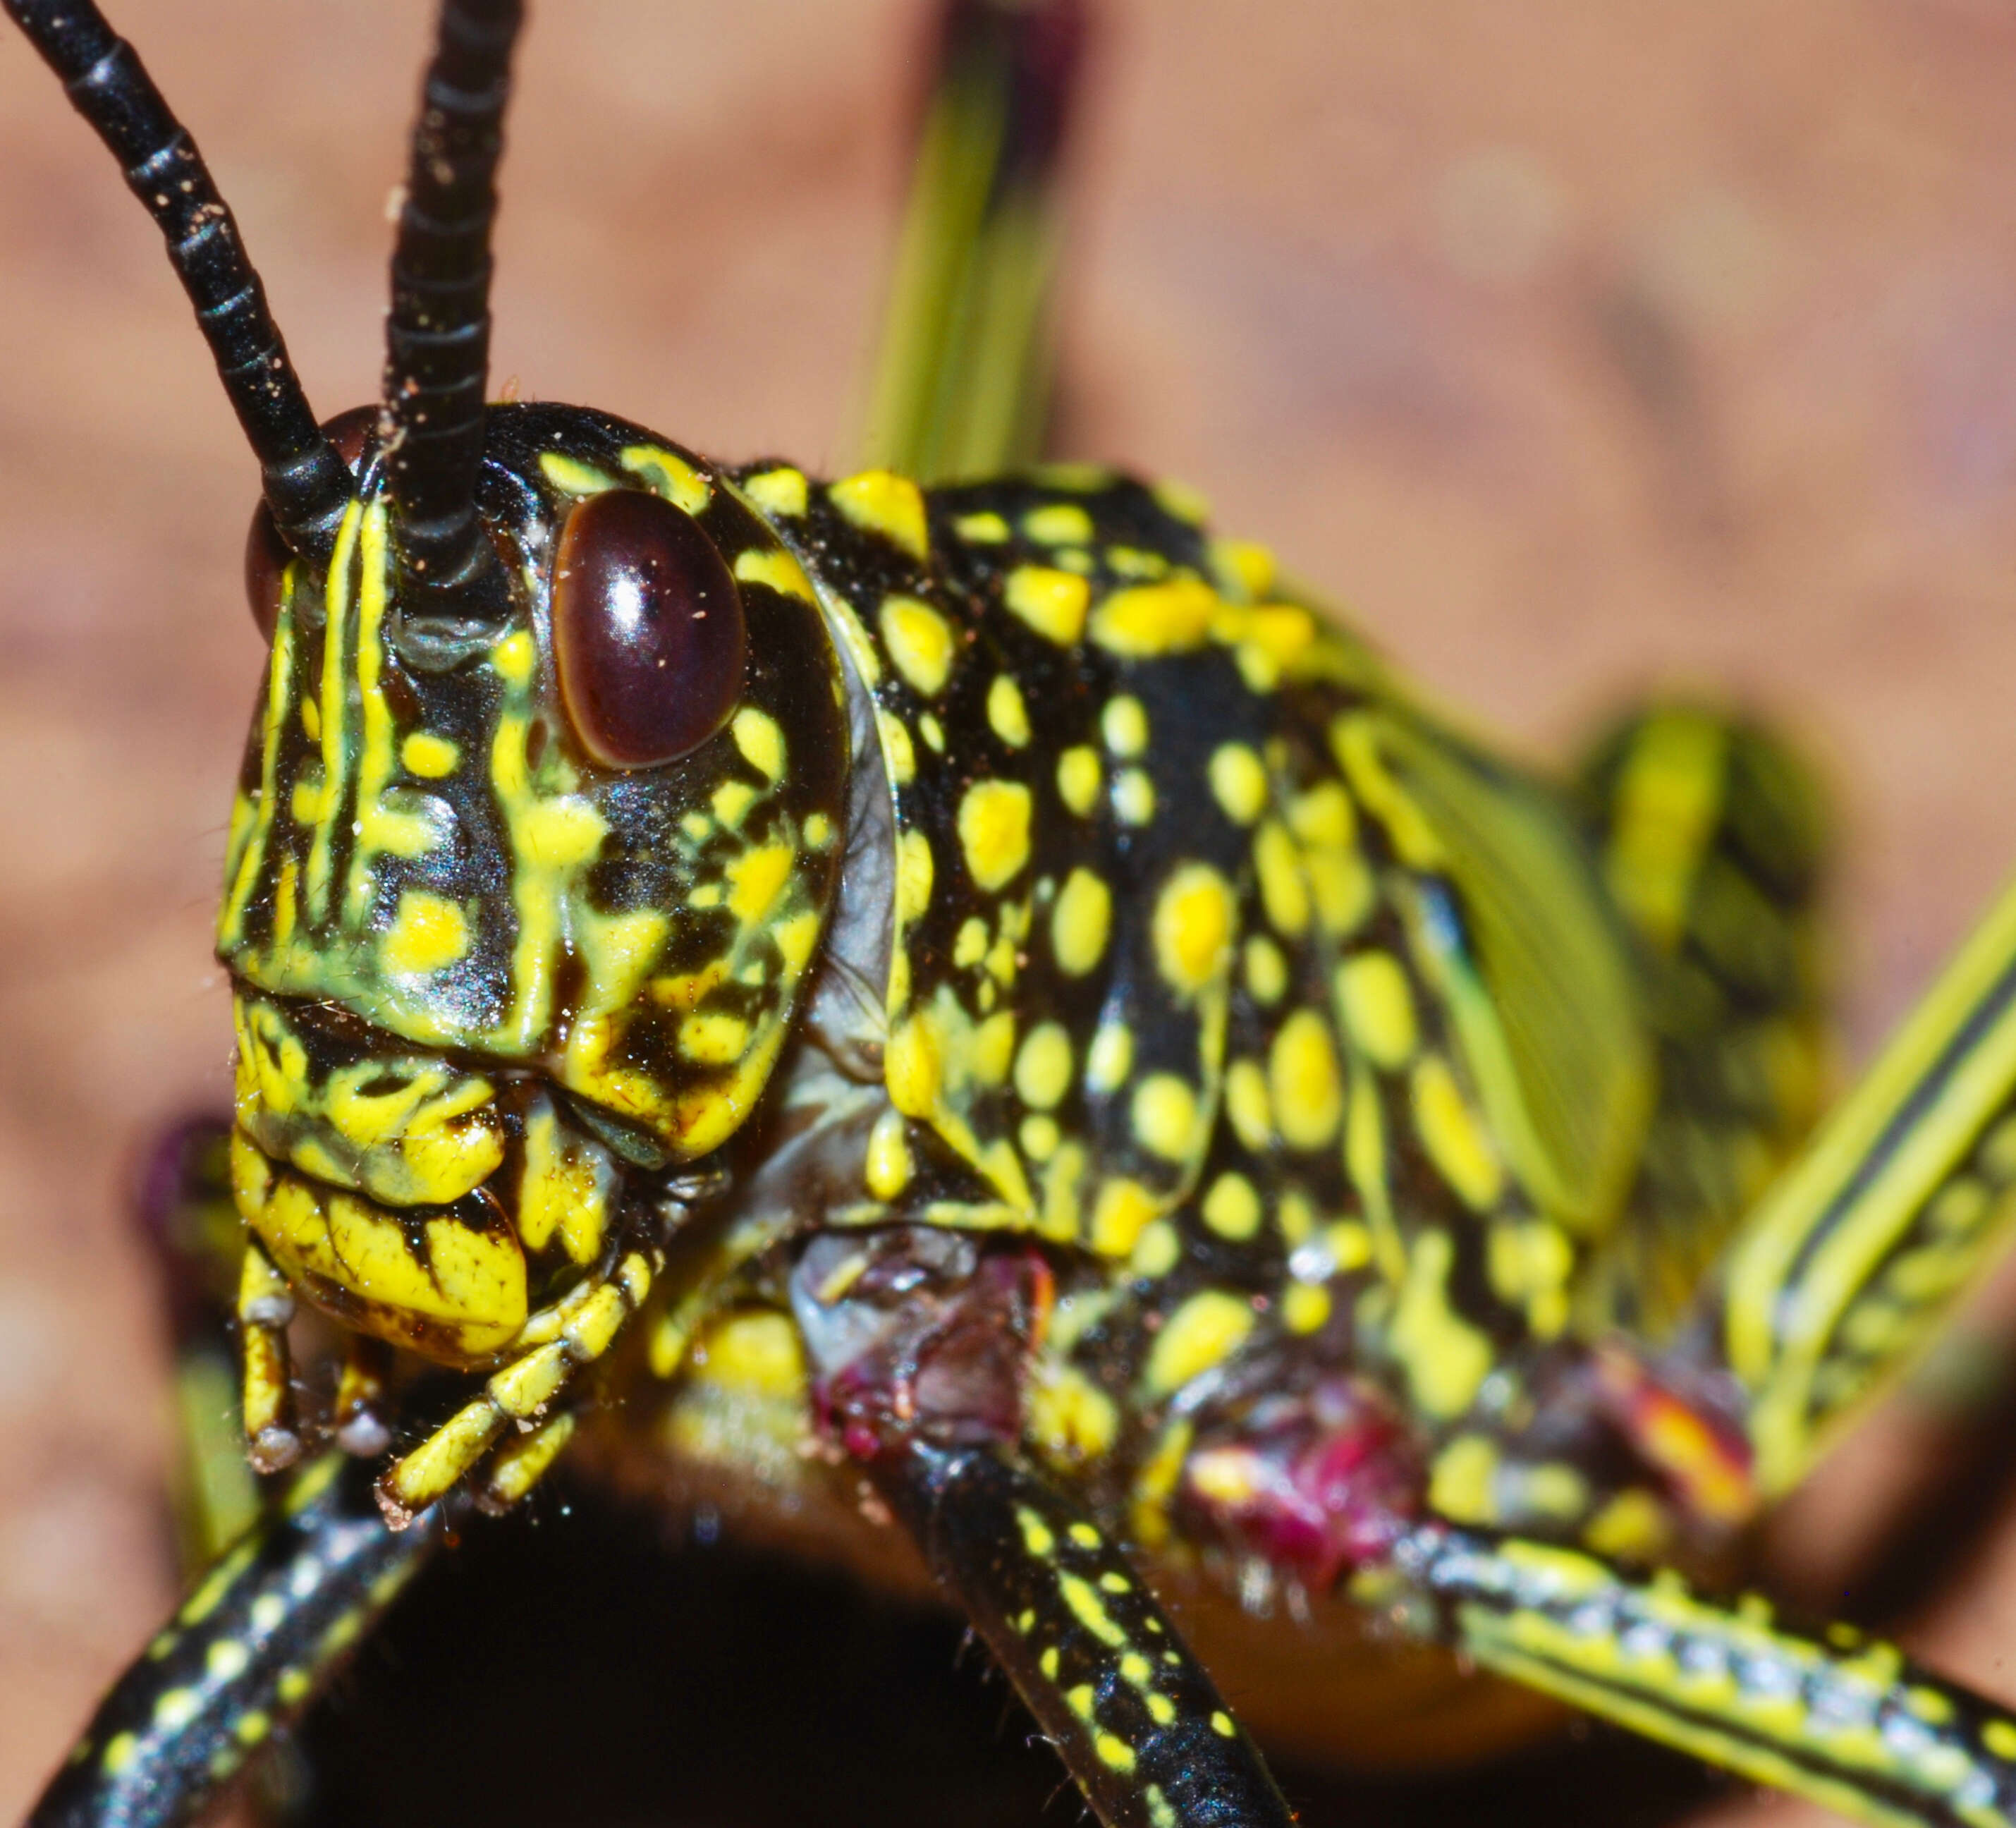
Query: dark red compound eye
266, 554
647, 630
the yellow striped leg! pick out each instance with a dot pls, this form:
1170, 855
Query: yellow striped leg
241, 1659
555, 1347
265, 1306
1845, 1721
1137, 1723
1860, 1251
961, 383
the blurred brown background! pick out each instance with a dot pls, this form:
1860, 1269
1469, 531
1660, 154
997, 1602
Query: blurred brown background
1576, 345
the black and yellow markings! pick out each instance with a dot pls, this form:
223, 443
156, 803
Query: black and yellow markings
1132, 1711
244, 1652
1845, 1721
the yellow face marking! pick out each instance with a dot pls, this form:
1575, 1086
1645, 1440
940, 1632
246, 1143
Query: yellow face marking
1053, 603
883, 503
775, 568
1144, 620
1081, 921
1133, 797
670, 476
1192, 928
1456, 1141
1110, 1057
1164, 1117
1238, 783
1200, 1335
1157, 1250
431, 757
994, 831
762, 742
1243, 566
898, 750
1232, 1208
427, 934
779, 492
1304, 1082
1063, 524
916, 871
571, 477
1007, 716
1043, 1067
1124, 726
920, 642
1078, 779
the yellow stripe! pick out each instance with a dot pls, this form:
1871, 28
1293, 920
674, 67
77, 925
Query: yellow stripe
335, 711
1777, 1334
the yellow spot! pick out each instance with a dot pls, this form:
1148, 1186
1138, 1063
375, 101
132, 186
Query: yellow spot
1306, 1307
1232, 1208
897, 748
1246, 566
1246, 1104
176, 1709
1165, 1116
1043, 1067
1324, 816
1114, 1753
1221, 1723
1378, 1007
778, 492
915, 870
670, 475
427, 934
1053, 603
987, 529
226, 1660
119, 1752
759, 740
1078, 779
1007, 716
1238, 783
885, 504
1303, 1080
1063, 524
1133, 796
1192, 928
2000, 1737
431, 757
1181, 501
1084, 1535
1266, 970
292, 1687
994, 830
1110, 1057
252, 1727
1461, 1486
1081, 921
1036, 1536
819, 831
1283, 891
756, 1350
1071, 1419
1202, 1333
1445, 1357
1122, 1208
778, 571
1148, 619
1124, 726
1455, 1142
971, 945
1156, 1251
514, 658
571, 477
920, 641
756, 878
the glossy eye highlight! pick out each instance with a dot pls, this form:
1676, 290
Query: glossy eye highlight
648, 630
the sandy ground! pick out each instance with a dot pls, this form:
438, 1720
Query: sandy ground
1577, 346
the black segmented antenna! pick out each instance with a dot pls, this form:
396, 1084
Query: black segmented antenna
305, 482
437, 337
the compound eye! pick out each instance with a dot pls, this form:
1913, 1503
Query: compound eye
647, 630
